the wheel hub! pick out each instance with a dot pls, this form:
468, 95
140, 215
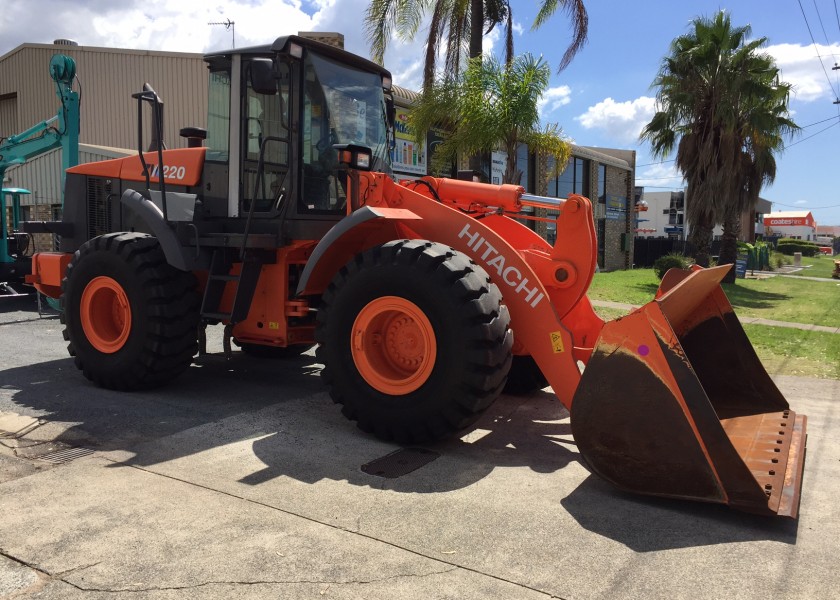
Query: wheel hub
105, 314
393, 345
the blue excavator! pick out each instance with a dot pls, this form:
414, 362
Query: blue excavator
61, 131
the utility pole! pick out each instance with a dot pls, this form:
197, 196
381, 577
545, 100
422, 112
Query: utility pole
834, 68
228, 25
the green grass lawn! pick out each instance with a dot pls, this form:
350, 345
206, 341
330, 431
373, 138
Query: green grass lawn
786, 351
787, 299
636, 286
783, 351
818, 266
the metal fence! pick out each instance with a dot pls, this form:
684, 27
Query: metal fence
647, 250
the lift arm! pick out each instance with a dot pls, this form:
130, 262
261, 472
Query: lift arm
61, 131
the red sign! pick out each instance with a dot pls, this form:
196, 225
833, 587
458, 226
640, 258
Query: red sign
807, 221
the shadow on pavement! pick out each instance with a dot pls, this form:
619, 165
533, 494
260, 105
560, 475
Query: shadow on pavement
648, 524
282, 406
514, 432
107, 420
290, 426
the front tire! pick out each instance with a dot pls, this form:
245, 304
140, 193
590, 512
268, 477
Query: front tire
130, 317
414, 339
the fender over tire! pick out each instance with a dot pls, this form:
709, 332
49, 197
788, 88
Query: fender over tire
447, 330
130, 318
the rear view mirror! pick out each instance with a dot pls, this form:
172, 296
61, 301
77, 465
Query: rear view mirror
390, 110
263, 79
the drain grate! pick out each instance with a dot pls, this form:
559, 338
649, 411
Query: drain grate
65, 455
400, 462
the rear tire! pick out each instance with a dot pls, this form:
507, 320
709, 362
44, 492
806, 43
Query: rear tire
525, 376
130, 317
414, 339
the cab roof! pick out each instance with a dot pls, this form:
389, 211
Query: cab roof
281, 45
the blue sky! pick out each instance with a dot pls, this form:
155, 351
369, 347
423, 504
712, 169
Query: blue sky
602, 99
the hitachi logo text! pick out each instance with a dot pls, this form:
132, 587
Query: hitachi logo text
495, 261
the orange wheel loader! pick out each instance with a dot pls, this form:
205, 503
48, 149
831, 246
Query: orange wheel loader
427, 299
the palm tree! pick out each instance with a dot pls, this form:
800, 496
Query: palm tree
711, 86
491, 105
765, 124
463, 24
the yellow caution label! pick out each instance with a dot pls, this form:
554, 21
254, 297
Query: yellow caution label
557, 342
273, 325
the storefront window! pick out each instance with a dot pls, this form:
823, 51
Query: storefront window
523, 163
602, 184
573, 180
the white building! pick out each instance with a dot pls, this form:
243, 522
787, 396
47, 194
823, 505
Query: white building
665, 216
799, 225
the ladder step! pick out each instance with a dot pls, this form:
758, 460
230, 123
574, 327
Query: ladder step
245, 283
217, 316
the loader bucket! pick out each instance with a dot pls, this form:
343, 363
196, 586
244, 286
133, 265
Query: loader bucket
674, 402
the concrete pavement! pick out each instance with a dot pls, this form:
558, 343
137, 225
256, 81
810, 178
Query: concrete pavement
243, 480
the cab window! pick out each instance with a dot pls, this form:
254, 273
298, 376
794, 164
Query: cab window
266, 138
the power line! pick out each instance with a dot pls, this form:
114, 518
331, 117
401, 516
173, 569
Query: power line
818, 122
812, 135
834, 118
655, 178
799, 206
837, 14
662, 162
827, 43
813, 41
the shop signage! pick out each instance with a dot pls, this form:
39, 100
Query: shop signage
741, 266
616, 208
498, 160
806, 221
433, 139
407, 156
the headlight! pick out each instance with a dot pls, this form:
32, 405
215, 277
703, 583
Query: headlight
352, 156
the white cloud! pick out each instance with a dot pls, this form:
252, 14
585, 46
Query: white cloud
659, 175
152, 24
622, 121
554, 98
183, 26
800, 67
489, 41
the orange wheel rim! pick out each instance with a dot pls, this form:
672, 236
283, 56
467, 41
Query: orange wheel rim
105, 314
393, 345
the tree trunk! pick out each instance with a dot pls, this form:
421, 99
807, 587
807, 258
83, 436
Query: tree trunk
475, 167
512, 173
476, 27
476, 39
701, 239
729, 242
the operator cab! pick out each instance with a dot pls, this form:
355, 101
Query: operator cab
274, 118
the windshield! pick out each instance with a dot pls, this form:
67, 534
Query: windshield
354, 106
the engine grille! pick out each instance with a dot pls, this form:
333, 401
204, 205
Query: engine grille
98, 206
